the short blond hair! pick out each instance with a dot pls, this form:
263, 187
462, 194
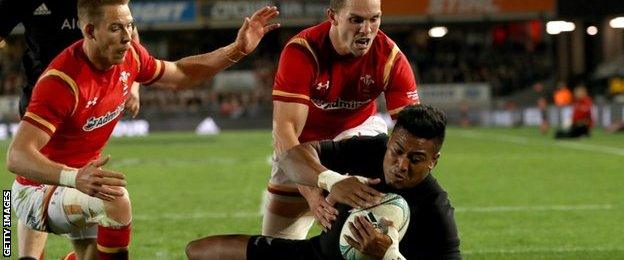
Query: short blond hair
90, 11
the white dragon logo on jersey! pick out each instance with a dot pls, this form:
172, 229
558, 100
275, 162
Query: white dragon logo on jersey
368, 80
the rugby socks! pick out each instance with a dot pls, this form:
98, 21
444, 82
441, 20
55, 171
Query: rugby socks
112, 243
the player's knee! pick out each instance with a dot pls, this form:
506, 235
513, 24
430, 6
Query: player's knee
287, 207
197, 249
191, 250
218, 247
119, 210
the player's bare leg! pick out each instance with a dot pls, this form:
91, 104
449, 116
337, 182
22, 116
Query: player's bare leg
287, 217
30, 242
114, 230
85, 249
218, 247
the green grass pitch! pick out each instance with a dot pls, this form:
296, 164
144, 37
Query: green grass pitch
517, 194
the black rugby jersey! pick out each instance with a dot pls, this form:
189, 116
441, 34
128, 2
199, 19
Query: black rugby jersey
50, 27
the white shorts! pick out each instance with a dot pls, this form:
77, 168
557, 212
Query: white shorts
373, 126
58, 210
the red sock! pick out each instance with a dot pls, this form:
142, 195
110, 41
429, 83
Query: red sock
69, 256
112, 243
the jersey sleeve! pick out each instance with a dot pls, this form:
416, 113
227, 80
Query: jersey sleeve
13, 12
150, 68
355, 156
401, 90
52, 102
295, 74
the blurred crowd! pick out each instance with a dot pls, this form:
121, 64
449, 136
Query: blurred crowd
11, 71
510, 58
223, 102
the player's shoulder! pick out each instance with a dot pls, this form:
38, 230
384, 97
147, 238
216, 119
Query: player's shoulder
314, 32
135, 53
429, 194
311, 36
69, 60
368, 143
384, 45
68, 66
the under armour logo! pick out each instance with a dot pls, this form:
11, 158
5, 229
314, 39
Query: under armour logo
92, 102
322, 86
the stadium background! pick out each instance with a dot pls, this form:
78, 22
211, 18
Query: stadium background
518, 193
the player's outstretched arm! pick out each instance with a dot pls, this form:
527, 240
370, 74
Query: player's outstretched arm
288, 121
193, 70
25, 159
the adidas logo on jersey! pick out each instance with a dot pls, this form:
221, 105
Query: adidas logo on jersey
42, 10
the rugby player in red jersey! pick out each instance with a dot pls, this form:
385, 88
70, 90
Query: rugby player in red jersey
61, 186
49, 27
328, 79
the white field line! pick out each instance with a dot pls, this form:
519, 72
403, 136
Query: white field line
536, 208
198, 215
575, 145
591, 148
174, 162
494, 137
249, 214
562, 249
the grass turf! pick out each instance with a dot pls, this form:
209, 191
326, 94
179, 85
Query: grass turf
518, 194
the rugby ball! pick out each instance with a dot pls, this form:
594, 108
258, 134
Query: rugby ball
392, 207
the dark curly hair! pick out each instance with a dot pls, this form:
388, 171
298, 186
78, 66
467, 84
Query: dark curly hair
423, 121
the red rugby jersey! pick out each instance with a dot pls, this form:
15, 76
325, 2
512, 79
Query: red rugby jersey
79, 105
582, 111
340, 91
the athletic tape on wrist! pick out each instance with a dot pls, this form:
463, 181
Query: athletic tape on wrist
68, 177
393, 251
328, 178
